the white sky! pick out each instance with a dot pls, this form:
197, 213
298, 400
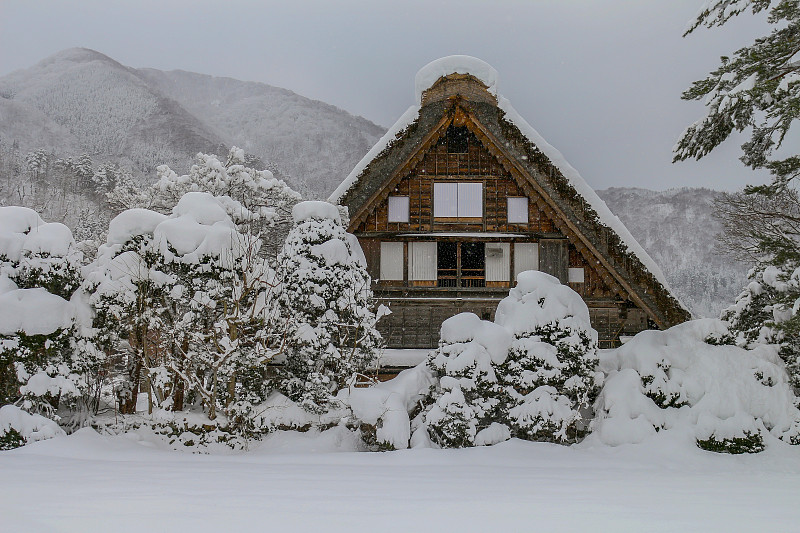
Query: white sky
600, 79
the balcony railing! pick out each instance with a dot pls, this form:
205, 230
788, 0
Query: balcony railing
470, 277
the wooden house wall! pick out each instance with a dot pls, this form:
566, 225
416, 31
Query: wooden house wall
477, 165
415, 322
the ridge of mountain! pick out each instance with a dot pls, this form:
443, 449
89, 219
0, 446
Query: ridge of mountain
80, 100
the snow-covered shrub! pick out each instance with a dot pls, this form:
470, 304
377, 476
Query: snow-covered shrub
550, 373
382, 410
18, 427
325, 304
467, 397
46, 352
766, 312
723, 397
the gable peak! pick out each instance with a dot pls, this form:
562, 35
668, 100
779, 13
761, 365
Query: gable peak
465, 76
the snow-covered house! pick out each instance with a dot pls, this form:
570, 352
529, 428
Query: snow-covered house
462, 194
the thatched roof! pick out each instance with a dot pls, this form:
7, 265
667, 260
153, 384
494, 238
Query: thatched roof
581, 214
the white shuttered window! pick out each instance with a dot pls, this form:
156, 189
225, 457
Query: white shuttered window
422, 261
575, 275
526, 257
398, 208
463, 200
445, 200
470, 200
392, 261
498, 256
517, 210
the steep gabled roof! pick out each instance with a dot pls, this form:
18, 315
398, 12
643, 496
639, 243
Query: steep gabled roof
578, 211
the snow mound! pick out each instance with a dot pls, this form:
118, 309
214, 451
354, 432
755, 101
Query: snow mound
387, 405
315, 209
34, 311
673, 381
22, 231
18, 219
198, 227
30, 427
52, 238
467, 327
540, 299
133, 222
457, 64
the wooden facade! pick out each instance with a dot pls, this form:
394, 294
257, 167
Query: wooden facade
519, 212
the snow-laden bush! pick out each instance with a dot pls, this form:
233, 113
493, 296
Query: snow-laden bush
724, 397
467, 397
551, 369
18, 427
531, 374
325, 305
47, 357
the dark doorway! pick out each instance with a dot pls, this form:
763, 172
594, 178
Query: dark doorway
447, 264
473, 264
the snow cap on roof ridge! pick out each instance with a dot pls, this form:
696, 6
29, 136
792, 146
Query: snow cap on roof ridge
458, 64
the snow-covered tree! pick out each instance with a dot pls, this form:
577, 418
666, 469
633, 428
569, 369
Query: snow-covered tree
128, 284
765, 313
325, 303
37, 163
467, 399
550, 372
219, 301
189, 291
265, 201
757, 89
47, 354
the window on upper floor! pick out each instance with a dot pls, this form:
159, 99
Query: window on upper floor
457, 200
517, 210
576, 275
398, 208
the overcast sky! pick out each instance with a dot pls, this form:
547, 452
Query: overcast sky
600, 80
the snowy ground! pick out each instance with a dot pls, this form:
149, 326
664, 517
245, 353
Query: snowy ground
299, 482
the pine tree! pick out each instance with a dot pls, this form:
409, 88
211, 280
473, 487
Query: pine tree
758, 88
325, 305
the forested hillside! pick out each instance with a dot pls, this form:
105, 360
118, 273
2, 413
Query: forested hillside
77, 123
677, 229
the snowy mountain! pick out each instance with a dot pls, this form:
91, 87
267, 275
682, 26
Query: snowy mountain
80, 100
313, 143
677, 229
